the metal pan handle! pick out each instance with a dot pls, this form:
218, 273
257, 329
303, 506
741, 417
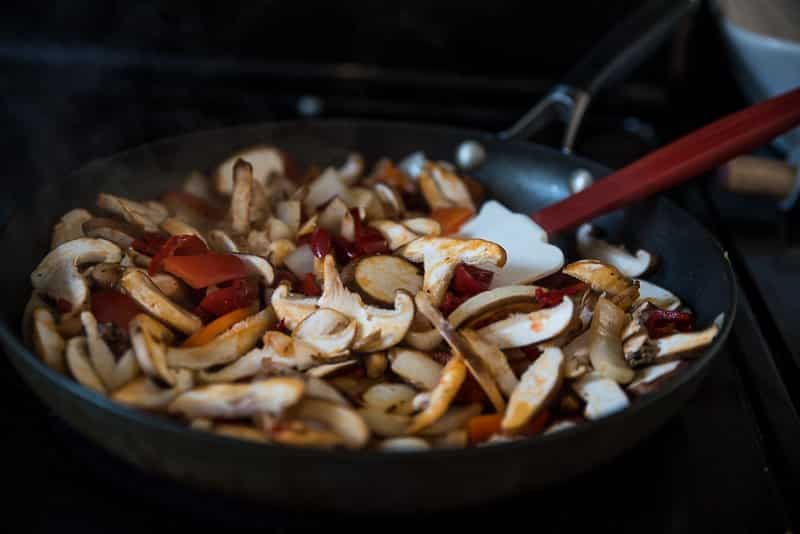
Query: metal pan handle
614, 57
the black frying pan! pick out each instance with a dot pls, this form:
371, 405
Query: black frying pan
523, 176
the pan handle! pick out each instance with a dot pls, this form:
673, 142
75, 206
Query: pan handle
615, 56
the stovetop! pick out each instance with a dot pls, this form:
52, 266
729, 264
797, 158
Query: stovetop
728, 461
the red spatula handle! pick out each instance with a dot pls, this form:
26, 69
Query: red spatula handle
689, 156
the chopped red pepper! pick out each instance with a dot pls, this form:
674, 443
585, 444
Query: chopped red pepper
109, 306
469, 280
281, 327
441, 356
345, 250
471, 391
196, 203
369, 240
557, 280
177, 245
660, 323
537, 424
451, 302
239, 294
206, 269
282, 275
532, 352
320, 242
310, 286
63, 306
553, 297
149, 243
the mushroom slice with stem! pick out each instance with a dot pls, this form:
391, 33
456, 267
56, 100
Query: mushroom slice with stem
453, 375
602, 395
636, 351
233, 401
248, 365
455, 418
220, 241
385, 424
342, 420
423, 226
330, 368
576, 355
658, 296
395, 234
328, 331
144, 393
34, 302
113, 373
120, 233
650, 378
291, 309
605, 342
57, 275
479, 370
441, 255
47, 341
69, 227
290, 212
494, 359
228, 346
415, 367
332, 216
443, 188
174, 226
404, 444
390, 398
601, 278
520, 330
683, 345
381, 276
242, 196
536, 388
378, 328
265, 161
478, 306
149, 339
589, 246
138, 285
147, 217
173, 288
134, 258
80, 367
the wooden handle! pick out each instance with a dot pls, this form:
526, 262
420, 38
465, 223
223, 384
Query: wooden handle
693, 154
759, 176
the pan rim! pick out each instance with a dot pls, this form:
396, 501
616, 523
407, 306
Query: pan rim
16, 348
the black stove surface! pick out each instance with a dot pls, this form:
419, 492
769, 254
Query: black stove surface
727, 462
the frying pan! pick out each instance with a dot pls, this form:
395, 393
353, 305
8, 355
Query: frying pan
524, 176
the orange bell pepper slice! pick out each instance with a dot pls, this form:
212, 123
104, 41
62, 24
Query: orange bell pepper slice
451, 219
482, 427
218, 326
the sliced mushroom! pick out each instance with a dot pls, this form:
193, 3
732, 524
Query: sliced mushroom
352, 169
145, 216
392, 398
141, 288
591, 247
683, 345
232, 401
220, 241
309, 226
395, 234
494, 359
330, 368
174, 226
658, 296
258, 242
376, 364
265, 161
289, 211
378, 329
144, 393
601, 277
259, 267
602, 395
113, 373
134, 258
423, 226
443, 188
426, 340
441, 255
35, 301
453, 375
316, 388
342, 420
576, 355
456, 439
475, 308
328, 331
106, 275
242, 196
605, 342
417, 368
381, 276
239, 431
69, 227
385, 424
392, 202
80, 367
47, 341
560, 425
298, 434
636, 352
228, 346
536, 388
405, 444
150, 339
172, 287
455, 418
650, 378
291, 309
284, 350
331, 217
479, 370
520, 330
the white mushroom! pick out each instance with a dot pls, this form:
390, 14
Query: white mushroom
138, 285
520, 330
658, 296
144, 393
316, 388
443, 188
330, 368
80, 367
453, 375
455, 418
174, 226
605, 342
233, 401
682, 345
265, 160
649, 378
149, 340
35, 301
57, 275
228, 346
602, 395
388, 397
291, 309
259, 267
381, 276
113, 373
220, 241
385, 424
441, 255
47, 341
416, 367
477, 307
342, 420
105, 275
242, 196
69, 227
145, 216
576, 355
423, 226
494, 358
395, 234
405, 444
328, 331
536, 388
378, 329
591, 247
425, 340
285, 351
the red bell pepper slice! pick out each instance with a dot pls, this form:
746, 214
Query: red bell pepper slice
310, 287
451, 302
660, 323
553, 297
469, 280
206, 269
149, 243
109, 306
177, 245
320, 242
240, 294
